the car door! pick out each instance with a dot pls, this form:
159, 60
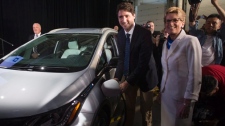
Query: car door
106, 72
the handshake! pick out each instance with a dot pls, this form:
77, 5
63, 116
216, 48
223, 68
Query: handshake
194, 1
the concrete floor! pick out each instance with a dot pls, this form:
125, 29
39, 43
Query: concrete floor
155, 113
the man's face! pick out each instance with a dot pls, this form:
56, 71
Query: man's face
151, 26
36, 28
126, 19
116, 28
212, 25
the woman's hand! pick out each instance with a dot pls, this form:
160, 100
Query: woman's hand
184, 111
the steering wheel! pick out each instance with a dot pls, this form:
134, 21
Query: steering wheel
84, 53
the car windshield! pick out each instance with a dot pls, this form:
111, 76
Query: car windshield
53, 52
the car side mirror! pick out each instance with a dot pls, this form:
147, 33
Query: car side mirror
110, 88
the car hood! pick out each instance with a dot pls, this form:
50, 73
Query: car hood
25, 93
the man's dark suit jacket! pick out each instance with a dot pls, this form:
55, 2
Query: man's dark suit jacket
155, 33
31, 37
42, 48
140, 53
39, 47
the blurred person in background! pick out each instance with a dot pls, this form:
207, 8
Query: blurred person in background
213, 35
209, 109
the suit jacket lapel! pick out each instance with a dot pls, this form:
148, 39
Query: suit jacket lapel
175, 43
134, 38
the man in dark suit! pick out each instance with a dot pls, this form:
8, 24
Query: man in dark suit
37, 33
134, 51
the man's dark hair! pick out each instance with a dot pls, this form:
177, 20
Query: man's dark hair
148, 26
213, 16
127, 6
149, 22
208, 84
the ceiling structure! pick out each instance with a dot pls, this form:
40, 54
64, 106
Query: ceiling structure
206, 6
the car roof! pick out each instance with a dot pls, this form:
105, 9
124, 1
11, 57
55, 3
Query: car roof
80, 30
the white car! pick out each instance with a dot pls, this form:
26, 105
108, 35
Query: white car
63, 82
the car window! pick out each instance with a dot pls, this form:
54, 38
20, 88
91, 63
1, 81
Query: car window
109, 50
102, 62
55, 50
111, 42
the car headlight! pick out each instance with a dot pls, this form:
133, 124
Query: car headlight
59, 117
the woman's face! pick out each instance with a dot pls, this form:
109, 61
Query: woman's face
174, 24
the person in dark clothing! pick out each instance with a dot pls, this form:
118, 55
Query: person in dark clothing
213, 35
157, 53
135, 50
210, 107
37, 33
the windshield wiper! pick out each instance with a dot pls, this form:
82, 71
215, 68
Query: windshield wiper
41, 68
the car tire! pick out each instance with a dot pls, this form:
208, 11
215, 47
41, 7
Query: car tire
102, 119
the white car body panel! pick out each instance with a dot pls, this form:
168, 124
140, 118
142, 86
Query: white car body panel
35, 92
27, 93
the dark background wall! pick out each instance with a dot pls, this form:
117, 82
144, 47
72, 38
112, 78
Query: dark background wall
18, 16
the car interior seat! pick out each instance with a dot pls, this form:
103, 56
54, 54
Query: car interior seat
72, 50
107, 52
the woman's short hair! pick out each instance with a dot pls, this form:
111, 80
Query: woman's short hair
209, 83
177, 11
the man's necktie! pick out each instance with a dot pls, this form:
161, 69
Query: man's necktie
35, 47
127, 56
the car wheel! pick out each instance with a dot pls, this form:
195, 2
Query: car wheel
102, 119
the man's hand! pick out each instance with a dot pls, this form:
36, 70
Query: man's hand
124, 86
214, 2
193, 13
219, 9
35, 55
116, 79
201, 17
